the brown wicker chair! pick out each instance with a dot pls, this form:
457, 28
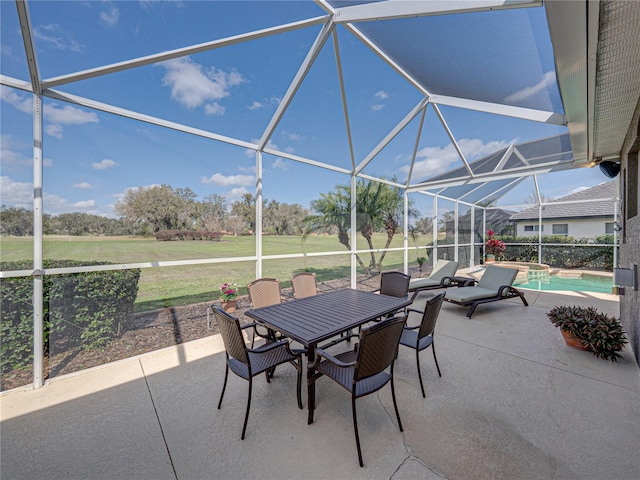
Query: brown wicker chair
394, 284
264, 292
421, 336
304, 285
247, 363
363, 371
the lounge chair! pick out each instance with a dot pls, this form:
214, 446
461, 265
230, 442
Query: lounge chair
495, 284
443, 276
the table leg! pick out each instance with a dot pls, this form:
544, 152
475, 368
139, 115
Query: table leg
311, 385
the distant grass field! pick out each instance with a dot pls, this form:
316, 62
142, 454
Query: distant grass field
181, 285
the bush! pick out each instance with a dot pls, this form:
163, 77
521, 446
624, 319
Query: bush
573, 253
171, 235
80, 309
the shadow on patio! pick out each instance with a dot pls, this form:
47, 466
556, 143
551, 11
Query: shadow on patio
513, 402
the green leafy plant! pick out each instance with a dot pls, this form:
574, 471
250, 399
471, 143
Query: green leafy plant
421, 261
600, 333
228, 291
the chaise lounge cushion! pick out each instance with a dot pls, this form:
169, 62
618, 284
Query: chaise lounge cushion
443, 268
470, 294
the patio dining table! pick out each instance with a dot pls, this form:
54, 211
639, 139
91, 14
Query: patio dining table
312, 320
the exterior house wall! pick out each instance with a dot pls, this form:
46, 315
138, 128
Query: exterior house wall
630, 245
582, 228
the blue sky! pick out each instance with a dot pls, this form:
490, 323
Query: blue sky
91, 158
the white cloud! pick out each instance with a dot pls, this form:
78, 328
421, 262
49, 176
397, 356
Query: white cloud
85, 204
432, 161
82, 185
377, 107
16, 194
280, 164
55, 36
110, 18
11, 96
214, 109
104, 164
296, 137
548, 79
69, 115
236, 192
251, 169
382, 95
228, 180
268, 102
57, 116
54, 130
20, 195
192, 85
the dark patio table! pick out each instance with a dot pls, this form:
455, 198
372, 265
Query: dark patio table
312, 320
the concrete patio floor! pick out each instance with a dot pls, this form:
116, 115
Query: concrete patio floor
514, 402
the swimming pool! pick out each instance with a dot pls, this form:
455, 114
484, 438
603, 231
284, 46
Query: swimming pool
581, 283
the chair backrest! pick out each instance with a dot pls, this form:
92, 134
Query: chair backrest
430, 315
231, 335
394, 284
494, 277
444, 268
378, 346
304, 285
264, 292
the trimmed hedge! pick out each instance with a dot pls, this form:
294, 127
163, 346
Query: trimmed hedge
572, 253
80, 309
170, 235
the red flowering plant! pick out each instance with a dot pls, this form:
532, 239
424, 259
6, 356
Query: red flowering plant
493, 246
228, 291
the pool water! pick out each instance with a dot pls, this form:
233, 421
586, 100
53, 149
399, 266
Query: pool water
553, 283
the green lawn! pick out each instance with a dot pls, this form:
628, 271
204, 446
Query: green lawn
181, 285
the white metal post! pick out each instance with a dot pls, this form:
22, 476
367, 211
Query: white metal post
354, 268
258, 225
434, 227
38, 278
406, 232
472, 257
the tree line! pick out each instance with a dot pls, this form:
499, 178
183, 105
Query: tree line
147, 211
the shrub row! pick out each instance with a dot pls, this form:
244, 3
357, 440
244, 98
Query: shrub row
80, 309
573, 253
170, 235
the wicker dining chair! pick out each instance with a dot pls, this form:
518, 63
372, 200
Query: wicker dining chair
363, 370
247, 362
394, 284
264, 292
304, 285
420, 336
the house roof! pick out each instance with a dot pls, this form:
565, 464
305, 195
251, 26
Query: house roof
598, 201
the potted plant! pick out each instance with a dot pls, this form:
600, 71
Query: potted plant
229, 296
587, 329
421, 261
493, 247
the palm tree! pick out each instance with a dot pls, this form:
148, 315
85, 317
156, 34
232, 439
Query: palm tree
379, 206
